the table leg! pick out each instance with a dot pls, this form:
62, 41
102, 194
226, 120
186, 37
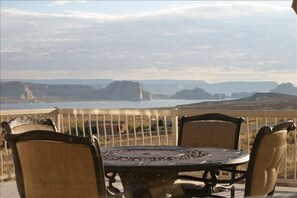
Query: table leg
147, 185
111, 180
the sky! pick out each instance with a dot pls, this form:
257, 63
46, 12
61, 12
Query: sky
214, 41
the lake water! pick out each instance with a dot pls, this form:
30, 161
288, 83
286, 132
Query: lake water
100, 104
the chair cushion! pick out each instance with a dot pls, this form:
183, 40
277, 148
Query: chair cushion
209, 134
267, 163
47, 178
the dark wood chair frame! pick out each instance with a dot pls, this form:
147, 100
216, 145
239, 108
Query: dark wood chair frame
91, 141
213, 181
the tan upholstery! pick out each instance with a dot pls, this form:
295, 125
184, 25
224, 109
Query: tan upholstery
267, 163
50, 170
209, 134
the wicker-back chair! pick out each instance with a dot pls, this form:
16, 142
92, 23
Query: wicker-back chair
208, 130
51, 164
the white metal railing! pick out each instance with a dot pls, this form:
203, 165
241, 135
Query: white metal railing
120, 127
158, 126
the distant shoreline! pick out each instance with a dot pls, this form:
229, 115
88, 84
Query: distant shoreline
160, 103
260, 101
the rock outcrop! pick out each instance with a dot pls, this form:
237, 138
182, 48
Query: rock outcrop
285, 88
124, 90
27, 96
196, 94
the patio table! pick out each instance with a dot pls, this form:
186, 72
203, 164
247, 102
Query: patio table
153, 169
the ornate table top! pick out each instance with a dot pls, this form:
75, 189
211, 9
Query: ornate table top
167, 158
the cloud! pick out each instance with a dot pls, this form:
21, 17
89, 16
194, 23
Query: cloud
207, 42
62, 3
194, 9
268, 62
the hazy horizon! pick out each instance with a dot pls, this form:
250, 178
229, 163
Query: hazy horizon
212, 41
107, 79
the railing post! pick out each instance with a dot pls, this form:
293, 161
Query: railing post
174, 124
1, 165
58, 118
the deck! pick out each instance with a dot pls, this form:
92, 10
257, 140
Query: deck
9, 190
146, 130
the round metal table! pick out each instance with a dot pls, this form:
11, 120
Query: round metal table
156, 167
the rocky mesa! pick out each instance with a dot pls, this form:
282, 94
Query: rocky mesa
16, 91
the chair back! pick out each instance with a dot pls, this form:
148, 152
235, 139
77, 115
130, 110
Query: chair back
267, 152
23, 124
57, 165
210, 130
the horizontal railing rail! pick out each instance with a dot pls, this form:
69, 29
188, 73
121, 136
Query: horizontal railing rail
157, 126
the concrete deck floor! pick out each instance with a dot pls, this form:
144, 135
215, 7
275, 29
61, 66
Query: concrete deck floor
9, 190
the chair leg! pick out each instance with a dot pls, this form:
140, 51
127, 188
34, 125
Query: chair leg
271, 193
232, 183
232, 192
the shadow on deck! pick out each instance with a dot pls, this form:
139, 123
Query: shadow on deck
9, 190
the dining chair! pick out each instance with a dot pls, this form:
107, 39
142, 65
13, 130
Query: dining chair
208, 130
22, 124
266, 156
51, 164
269, 147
